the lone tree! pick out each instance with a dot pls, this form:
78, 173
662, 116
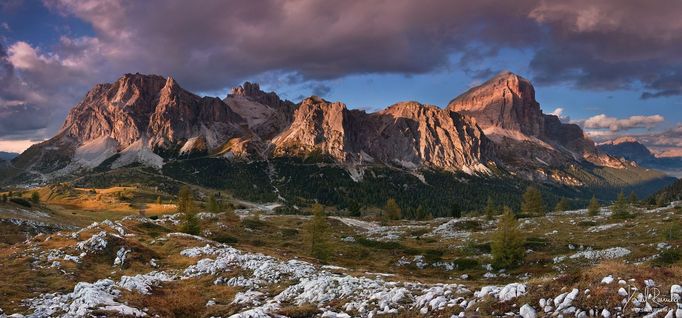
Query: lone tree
632, 198
593, 208
508, 241
532, 202
186, 206
318, 232
619, 209
562, 205
422, 214
490, 208
392, 209
35, 197
354, 208
213, 204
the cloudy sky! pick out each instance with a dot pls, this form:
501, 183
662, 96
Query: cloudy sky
613, 66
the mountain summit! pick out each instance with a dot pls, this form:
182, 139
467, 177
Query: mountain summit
505, 102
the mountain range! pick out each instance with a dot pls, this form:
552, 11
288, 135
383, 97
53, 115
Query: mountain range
496, 130
629, 148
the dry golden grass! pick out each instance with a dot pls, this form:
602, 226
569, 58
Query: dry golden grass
183, 299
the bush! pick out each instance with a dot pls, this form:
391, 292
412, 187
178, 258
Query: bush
21, 201
536, 243
35, 197
253, 223
392, 210
465, 263
472, 248
225, 239
191, 225
433, 255
587, 223
668, 257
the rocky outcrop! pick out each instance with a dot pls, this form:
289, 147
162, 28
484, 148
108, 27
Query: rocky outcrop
409, 135
265, 113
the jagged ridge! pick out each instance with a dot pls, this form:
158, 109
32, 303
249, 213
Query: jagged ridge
151, 119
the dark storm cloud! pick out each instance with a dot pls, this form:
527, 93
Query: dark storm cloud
216, 44
611, 44
211, 45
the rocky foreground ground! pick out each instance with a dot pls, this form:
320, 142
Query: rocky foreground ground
141, 267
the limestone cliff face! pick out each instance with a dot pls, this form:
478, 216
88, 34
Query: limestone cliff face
317, 125
138, 116
416, 135
153, 108
507, 101
150, 119
408, 135
506, 109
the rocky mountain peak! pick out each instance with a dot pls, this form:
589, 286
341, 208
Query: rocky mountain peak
265, 113
627, 147
317, 125
253, 92
247, 89
506, 101
624, 139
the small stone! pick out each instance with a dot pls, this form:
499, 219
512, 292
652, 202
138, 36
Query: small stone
527, 311
607, 280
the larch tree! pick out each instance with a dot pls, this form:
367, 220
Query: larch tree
186, 206
392, 209
35, 197
593, 208
318, 233
508, 241
532, 202
213, 204
562, 205
490, 208
619, 209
